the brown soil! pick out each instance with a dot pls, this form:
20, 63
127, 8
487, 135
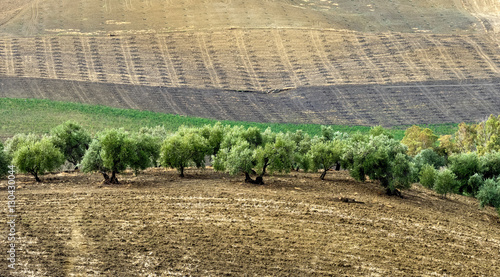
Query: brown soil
157, 224
329, 61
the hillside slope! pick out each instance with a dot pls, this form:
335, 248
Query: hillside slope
239, 50
212, 224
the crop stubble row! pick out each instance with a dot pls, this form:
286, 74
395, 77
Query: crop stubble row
256, 60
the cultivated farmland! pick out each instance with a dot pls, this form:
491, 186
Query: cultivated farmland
210, 223
278, 61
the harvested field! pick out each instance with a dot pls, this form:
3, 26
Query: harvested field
253, 60
209, 223
330, 62
367, 105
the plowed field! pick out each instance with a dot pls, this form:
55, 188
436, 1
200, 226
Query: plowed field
410, 58
209, 223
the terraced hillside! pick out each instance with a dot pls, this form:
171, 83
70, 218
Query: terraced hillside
344, 62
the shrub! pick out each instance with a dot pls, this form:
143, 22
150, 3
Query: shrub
72, 140
36, 158
427, 176
490, 164
428, 156
445, 182
401, 173
489, 194
475, 181
464, 165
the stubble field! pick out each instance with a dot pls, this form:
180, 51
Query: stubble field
326, 62
158, 224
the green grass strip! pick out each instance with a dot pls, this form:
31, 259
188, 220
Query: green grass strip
39, 116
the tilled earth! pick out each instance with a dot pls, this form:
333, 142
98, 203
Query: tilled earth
212, 224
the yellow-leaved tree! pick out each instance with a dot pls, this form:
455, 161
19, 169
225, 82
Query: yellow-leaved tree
417, 139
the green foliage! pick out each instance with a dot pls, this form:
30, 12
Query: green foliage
14, 143
184, 148
247, 150
276, 155
156, 131
428, 156
117, 150
401, 173
72, 140
445, 182
376, 157
37, 157
418, 139
214, 136
239, 158
464, 165
488, 135
303, 144
489, 164
4, 161
145, 151
489, 194
427, 176
112, 151
475, 182
325, 154
379, 130
465, 138
92, 160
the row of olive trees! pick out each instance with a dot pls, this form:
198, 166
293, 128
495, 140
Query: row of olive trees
236, 150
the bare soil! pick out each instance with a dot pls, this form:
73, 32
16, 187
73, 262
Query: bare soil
212, 224
304, 61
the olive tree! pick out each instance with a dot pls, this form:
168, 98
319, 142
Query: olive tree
37, 157
463, 166
15, 142
276, 155
111, 151
489, 194
445, 182
4, 161
303, 144
92, 161
72, 140
325, 155
145, 150
250, 151
381, 158
184, 148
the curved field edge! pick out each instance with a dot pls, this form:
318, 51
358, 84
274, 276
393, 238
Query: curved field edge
39, 116
350, 105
